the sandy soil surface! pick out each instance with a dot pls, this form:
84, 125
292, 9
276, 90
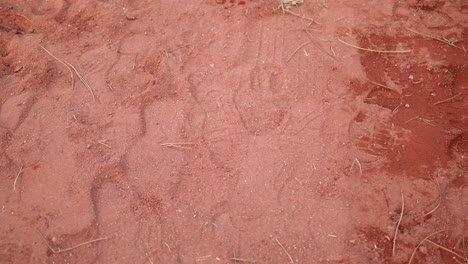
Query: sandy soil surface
214, 131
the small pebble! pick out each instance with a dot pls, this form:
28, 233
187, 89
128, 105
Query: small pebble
407, 105
18, 68
411, 77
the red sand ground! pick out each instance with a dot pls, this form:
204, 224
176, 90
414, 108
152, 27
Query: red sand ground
297, 153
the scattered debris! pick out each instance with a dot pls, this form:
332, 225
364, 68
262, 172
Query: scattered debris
287, 4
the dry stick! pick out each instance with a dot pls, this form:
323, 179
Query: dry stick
290, 258
177, 145
135, 62
242, 260
109, 84
312, 39
83, 81
47, 242
464, 248
202, 258
338, 19
448, 99
359, 164
398, 107
23, 16
168, 247
149, 258
383, 86
298, 48
17, 176
427, 121
398, 224
438, 39
371, 50
104, 144
300, 16
439, 200
420, 243
70, 248
446, 249
82, 244
59, 60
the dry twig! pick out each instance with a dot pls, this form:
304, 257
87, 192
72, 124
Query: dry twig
359, 165
340, 18
384, 86
439, 200
446, 249
290, 258
298, 48
242, 260
200, 259
448, 99
103, 142
443, 40
399, 222
83, 81
59, 60
286, 10
168, 247
17, 176
109, 84
420, 243
149, 258
320, 47
57, 251
372, 50
464, 247
178, 145
427, 121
